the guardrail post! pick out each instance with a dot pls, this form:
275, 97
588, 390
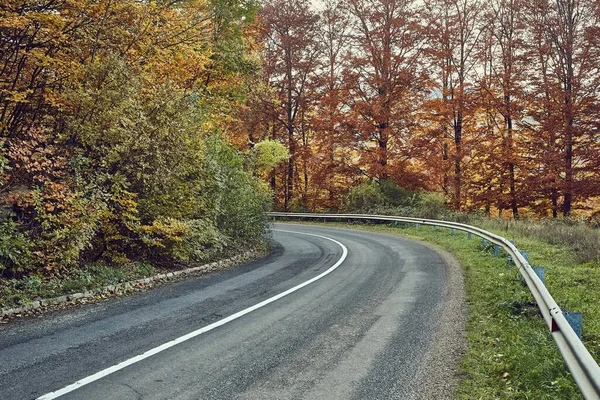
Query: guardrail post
541, 273
496, 251
575, 319
435, 227
416, 226
525, 255
453, 231
469, 235
484, 242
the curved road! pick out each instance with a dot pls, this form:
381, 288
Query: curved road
384, 321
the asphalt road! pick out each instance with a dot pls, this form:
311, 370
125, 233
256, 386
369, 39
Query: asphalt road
387, 323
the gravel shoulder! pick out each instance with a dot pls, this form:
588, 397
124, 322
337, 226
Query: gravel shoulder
441, 375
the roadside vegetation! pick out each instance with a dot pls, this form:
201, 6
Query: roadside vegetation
511, 354
115, 158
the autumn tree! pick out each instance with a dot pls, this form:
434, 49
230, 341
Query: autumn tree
332, 167
564, 98
503, 79
385, 84
454, 32
292, 54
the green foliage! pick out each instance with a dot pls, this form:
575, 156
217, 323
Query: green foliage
117, 159
202, 242
267, 154
365, 197
242, 200
396, 196
174, 240
387, 197
431, 206
15, 249
230, 18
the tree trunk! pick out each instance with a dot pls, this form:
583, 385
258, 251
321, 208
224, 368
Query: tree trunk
511, 164
457, 161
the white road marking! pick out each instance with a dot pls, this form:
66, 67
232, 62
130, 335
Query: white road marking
105, 372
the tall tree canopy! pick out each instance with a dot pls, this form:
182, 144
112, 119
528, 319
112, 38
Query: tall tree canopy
493, 103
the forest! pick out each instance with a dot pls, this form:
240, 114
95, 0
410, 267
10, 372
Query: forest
163, 130
493, 103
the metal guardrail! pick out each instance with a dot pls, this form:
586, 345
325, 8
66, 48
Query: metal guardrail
581, 364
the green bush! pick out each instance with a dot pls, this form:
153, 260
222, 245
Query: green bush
388, 198
202, 241
396, 196
15, 251
365, 198
241, 200
431, 206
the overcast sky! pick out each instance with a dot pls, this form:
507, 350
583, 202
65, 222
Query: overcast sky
318, 3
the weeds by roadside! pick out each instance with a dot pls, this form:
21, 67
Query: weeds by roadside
23, 291
14, 292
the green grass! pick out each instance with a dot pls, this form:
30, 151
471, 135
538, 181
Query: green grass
510, 352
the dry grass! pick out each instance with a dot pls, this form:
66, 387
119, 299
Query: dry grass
583, 240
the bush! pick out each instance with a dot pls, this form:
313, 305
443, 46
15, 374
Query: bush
201, 242
388, 198
15, 252
431, 206
241, 200
365, 198
396, 196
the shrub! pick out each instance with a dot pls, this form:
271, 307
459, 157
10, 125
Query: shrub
396, 196
201, 242
431, 206
240, 199
388, 198
365, 198
15, 251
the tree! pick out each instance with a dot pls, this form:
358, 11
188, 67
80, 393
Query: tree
454, 32
504, 78
385, 83
292, 53
332, 166
569, 68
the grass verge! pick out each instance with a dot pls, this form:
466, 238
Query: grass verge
510, 352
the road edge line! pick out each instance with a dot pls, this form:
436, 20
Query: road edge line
123, 364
